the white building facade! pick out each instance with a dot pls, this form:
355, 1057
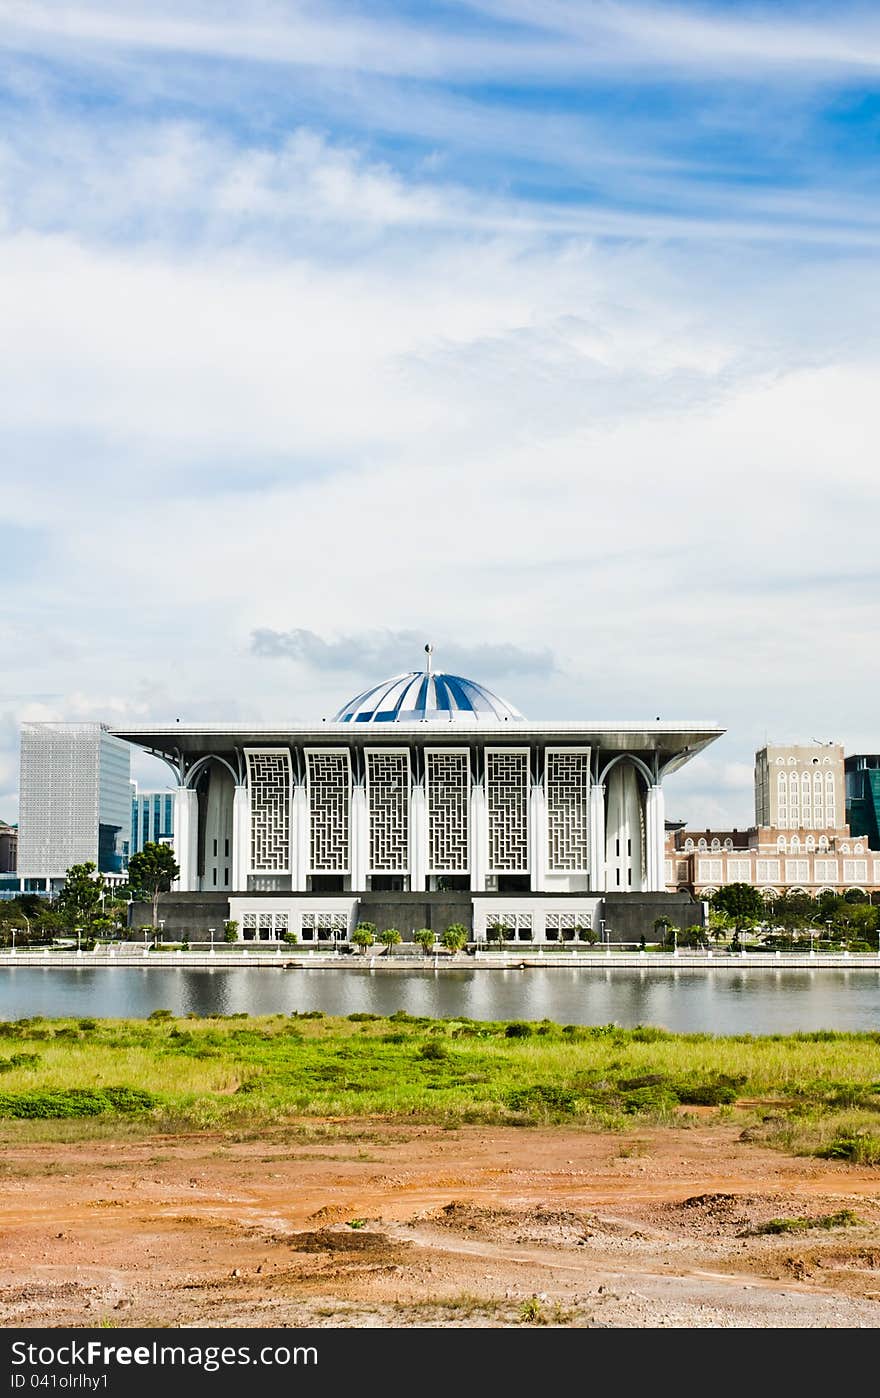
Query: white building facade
426, 785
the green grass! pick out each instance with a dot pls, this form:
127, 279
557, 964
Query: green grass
244, 1073
844, 1219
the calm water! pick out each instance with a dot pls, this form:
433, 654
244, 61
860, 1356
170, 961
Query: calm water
721, 1002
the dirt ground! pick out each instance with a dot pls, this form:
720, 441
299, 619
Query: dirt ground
371, 1224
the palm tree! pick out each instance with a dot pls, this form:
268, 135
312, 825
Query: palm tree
455, 937
425, 939
389, 938
363, 937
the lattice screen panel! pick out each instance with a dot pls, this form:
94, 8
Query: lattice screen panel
448, 795
269, 777
507, 797
388, 796
567, 785
329, 799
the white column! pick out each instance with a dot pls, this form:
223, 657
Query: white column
186, 838
538, 838
359, 839
597, 838
655, 833
302, 835
241, 839
479, 851
418, 839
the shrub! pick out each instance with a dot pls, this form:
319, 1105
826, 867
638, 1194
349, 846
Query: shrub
157, 1015
433, 1050
858, 1146
361, 1017
77, 1102
518, 1030
87, 1024
230, 930
542, 1098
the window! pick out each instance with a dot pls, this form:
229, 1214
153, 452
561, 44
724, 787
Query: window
767, 871
797, 870
739, 870
855, 870
709, 869
826, 870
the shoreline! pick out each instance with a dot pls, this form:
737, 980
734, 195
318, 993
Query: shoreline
485, 961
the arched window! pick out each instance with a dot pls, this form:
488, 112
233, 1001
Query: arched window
823, 841
688, 846
728, 843
716, 843
810, 843
780, 843
701, 844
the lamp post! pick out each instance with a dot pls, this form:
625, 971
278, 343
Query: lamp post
602, 930
161, 929
78, 943
211, 930
12, 930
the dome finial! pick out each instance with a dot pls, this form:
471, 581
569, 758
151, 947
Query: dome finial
429, 651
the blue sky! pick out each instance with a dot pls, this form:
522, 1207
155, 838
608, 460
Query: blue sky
544, 330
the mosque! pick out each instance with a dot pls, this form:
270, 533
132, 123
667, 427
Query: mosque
426, 799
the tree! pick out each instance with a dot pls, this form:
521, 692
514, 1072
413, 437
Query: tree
230, 930
588, 935
364, 935
80, 898
742, 902
152, 871
495, 932
455, 937
425, 939
390, 937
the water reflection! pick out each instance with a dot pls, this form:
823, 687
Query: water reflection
723, 1001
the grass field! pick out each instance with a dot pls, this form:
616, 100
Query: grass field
807, 1093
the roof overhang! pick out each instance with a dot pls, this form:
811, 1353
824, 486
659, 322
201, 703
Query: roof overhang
674, 742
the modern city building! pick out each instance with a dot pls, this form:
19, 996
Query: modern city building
863, 796
426, 798
75, 803
800, 787
8, 848
152, 818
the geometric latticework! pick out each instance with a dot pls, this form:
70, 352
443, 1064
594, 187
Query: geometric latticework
324, 926
507, 799
448, 796
329, 799
269, 780
567, 784
388, 796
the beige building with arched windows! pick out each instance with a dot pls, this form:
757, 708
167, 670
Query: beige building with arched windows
800, 842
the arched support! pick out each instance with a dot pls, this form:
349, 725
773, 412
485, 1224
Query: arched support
655, 832
538, 837
360, 837
186, 838
597, 838
418, 839
479, 851
241, 838
302, 838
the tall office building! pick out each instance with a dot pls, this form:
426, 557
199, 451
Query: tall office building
800, 787
152, 818
863, 796
75, 802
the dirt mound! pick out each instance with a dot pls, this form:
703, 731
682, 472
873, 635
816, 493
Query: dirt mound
547, 1226
719, 1215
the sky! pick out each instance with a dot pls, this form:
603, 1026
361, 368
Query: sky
545, 332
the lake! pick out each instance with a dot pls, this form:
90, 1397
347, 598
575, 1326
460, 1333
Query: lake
726, 1001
